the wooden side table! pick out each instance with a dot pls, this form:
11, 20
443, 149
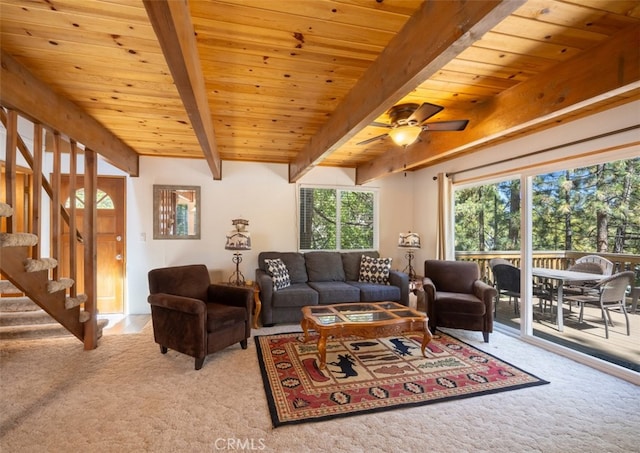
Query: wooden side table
257, 304
415, 287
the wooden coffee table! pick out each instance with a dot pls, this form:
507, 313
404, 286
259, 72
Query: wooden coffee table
363, 319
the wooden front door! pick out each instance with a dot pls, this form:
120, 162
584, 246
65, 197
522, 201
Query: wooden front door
111, 245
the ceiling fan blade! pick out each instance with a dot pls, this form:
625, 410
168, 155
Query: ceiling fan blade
424, 112
455, 125
377, 124
379, 137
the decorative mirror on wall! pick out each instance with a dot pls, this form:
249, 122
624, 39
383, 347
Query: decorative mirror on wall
176, 212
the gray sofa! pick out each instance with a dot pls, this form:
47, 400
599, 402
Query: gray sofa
320, 278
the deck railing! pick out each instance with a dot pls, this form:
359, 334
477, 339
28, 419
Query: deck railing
550, 259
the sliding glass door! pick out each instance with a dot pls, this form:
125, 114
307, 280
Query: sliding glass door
569, 216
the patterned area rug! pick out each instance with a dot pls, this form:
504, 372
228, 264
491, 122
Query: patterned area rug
364, 376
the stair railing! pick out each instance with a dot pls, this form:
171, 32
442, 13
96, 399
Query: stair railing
85, 330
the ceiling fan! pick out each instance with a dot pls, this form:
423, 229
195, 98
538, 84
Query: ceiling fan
408, 121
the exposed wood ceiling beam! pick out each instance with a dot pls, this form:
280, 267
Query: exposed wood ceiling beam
171, 21
23, 92
610, 68
446, 27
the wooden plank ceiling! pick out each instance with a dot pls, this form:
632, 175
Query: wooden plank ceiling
299, 82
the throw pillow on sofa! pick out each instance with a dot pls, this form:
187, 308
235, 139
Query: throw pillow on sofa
278, 272
375, 270
351, 263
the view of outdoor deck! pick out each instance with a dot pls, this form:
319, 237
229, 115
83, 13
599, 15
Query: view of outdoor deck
588, 336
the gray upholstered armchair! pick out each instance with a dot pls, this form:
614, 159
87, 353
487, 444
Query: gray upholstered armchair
457, 298
193, 316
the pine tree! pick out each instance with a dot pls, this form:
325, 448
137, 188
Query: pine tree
588, 209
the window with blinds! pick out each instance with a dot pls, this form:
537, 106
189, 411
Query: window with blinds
334, 218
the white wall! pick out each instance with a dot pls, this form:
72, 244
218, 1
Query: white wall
260, 193
257, 192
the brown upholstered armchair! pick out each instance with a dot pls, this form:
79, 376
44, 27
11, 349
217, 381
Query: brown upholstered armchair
457, 298
193, 316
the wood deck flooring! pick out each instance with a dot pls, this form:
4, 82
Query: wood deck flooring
587, 337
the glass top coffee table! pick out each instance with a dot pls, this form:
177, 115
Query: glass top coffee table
363, 319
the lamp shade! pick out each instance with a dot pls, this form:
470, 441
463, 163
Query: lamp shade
238, 240
409, 240
405, 135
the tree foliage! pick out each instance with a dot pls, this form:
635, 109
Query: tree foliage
356, 215
331, 216
589, 209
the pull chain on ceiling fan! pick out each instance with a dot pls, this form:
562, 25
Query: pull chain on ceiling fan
408, 121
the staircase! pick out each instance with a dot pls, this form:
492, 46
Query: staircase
21, 318
37, 306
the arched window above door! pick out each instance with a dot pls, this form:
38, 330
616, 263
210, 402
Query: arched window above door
103, 200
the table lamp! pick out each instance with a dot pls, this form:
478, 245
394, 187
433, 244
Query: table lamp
237, 240
411, 242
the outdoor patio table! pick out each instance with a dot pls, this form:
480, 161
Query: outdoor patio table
562, 276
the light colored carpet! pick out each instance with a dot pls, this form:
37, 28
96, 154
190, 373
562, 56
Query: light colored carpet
127, 397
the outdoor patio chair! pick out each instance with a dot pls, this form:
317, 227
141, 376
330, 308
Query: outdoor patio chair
508, 284
493, 262
579, 287
610, 296
605, 264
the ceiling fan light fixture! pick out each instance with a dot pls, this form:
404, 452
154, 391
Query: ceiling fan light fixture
405, 135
